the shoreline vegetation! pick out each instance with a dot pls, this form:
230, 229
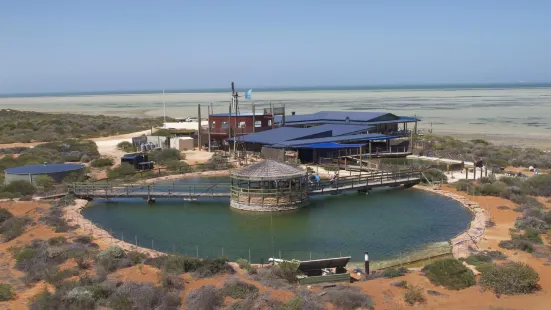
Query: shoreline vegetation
29, 127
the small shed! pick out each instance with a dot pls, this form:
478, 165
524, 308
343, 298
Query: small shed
324, 270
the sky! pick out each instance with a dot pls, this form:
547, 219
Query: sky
104, 45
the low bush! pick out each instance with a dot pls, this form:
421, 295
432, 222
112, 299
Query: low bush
478, 259
136, 257
510, 278
171, 282
54, 218
237, 289
517, 244
165, 155
113, 258
495, 255
45, 182
177, 165
531, 223
19, 188
287, 270
434, 175
45, 301
303, 300
57, 240
13, 227
216, 162
413, 295
204, 298
83, 239
449, 273
102, 162
178, 264
503, 208
243, 263
6, 292
125, 170
133, 295
126, 146
348, 297
395, 272
268, 277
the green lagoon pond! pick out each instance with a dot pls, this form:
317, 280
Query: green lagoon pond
387, 223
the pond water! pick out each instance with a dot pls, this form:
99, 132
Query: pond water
387, 223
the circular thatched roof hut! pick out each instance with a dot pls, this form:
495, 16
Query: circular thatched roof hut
269, 186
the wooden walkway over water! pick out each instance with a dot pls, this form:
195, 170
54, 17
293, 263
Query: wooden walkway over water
196, 191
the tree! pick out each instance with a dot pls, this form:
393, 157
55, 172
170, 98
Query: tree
126, 146
45, 181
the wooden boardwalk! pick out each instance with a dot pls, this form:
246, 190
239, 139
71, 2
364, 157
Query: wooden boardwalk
195, 191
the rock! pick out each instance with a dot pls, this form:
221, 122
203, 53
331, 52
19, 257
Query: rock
435, 293
399, 284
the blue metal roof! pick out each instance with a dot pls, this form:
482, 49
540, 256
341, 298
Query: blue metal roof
330, 145
282, 134
351, 138
41, 169
338, 117
343, 129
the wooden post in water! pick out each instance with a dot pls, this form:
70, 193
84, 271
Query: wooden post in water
209, 125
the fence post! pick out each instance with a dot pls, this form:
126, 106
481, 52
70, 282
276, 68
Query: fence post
249, 255
197, 249
136, 239
222, 251
152, 245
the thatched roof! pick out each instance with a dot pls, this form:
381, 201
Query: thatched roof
269, 170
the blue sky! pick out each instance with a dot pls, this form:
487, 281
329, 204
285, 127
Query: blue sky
56, 46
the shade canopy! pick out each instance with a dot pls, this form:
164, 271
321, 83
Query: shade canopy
318, 264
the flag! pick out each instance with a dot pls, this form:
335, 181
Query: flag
249, 94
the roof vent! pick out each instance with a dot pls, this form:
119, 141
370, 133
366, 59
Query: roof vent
293, 113
45, 163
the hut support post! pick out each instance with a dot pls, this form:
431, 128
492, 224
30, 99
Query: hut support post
199, 144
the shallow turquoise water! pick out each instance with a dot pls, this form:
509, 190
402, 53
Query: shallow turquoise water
385, 223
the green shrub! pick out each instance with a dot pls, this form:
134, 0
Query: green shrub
126, 146
59, 240
177, 165
171, 282
19, 187
510, 279
478, 259
395, 272
434, 175
165, 155
45, 181
517, 244
102, 162
413, 295
13, 227
124, 170
4, 215
6, 292
243, 263
287, 270
449, 273
237, 289
531, 223
348, 297
178, 264
45, 301
207, 297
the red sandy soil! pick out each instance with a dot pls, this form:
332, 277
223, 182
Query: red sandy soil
384, 294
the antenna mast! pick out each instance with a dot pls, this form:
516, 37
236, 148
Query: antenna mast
164, 108
235, 103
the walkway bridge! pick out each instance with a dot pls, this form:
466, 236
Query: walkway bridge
196, 191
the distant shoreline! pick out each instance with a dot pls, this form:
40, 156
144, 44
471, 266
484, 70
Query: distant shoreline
429, 86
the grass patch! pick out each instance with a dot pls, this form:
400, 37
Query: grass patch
395, 272
14, 227
348, 298
6, 292
238, 289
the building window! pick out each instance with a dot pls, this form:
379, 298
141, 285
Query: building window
348, 119
258, 124
269, 122
213, 124
242, 125
224, 124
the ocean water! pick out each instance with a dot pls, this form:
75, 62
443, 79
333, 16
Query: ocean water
503, 113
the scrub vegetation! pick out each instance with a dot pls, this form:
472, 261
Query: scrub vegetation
449, 273
493, 156
26, 126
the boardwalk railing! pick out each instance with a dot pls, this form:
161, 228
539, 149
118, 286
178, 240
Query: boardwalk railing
222, 189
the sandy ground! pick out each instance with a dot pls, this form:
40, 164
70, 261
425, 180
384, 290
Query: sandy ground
384, 294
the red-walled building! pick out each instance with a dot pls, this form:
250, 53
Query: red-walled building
244, 123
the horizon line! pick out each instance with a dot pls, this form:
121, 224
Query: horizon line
276, 88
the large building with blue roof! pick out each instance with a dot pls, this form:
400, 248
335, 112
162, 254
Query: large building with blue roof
330, 134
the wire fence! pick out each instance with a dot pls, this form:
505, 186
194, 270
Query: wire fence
257, 255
